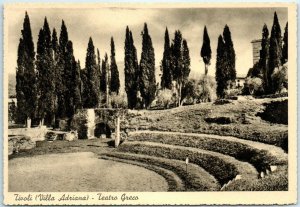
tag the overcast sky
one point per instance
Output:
(102, 23)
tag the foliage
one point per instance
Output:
(25, 75)
(147, 82)
(131, 70)
(254, 86)
(207, 89)
(166, 78)
(285, 49)
(118, 100)
(280, 79)
(45, 75)
(196, 180)
(221, 78)
(205, 50)
(115, 81)
(229, 54)
(275, 52)
(221, 169)
(165, 98)
(92, 77)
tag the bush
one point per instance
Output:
(164, 98)
(254, 86)
(219, 120)
(207, 89)
(280, 79)
(118, 100)
(275, 112)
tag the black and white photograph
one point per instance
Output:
(150, 104)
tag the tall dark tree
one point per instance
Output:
(221, 76)
(275, 51)
(99, 70)
(115, 80)
(92, 76)
(285, 45)
(180, 62)
(131, 70)
(166, 78)
(25, 75)
(264, 55)
(45, 75)
(147, 69)
(205, 50)
(103, 76)
(55, 48)
(77, 99)
(229, 54)
(60, 72)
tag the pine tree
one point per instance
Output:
(131, 70)
(25, 75)
(264, 55)
(285, 45)
(147, 69)
(275, 51)
(115, 81)
(229, 54)
(166, 78)
(92, 76)
(205, 50)
(221, 78)
(46, 74)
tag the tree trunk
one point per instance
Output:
(28, 122)
(206, 69)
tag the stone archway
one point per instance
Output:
(88, 122)
(102, 129)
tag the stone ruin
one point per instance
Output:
(100, 122)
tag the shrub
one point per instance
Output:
(280, 79)
(275, 112)
(207, 89)
(254, 85)
(118, 100)
(164, 98)
(219, 120)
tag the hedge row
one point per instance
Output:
(196, 179)
(260, 159)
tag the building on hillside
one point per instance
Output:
(256, 47)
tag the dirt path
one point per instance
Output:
(273, 150)
(81, 171)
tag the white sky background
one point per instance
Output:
(101, 23)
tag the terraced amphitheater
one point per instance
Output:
(246, 154)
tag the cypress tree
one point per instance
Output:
(220, 66)
(205, 50)
(103, 76)
(25, 74)
(115, 81)
(107, 80)
(60, 72)
(275, 51)
(166, 78)
(229, 54)
(77, 99)
(264, 55)
(180, 63)
(131, 70)
(147, 69)
(46, 74)
(92, 76)
(55, 48)
(285, 45)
